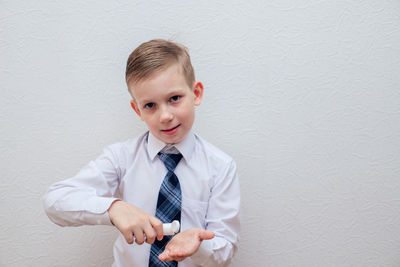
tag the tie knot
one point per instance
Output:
(170, 160)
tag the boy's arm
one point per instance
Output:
(88, 198)
(85, 198)
(222, 219)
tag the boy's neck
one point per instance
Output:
(185, 146)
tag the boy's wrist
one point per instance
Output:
(108, 210)
(112, 203)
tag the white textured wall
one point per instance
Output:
(305, 95)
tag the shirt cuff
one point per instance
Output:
(203, 253)
(99, 208)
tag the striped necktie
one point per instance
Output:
(168, 206)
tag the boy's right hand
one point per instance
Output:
(132, 221)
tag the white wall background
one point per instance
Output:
(303, 94)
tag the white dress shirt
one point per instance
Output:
(132, 171)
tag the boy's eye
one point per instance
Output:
(175, 98)
(149, 105)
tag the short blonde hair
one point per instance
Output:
(156, 55)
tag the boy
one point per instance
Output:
(166, 174)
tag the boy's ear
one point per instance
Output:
(135, 108)
(198, 92)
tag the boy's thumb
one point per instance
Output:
(206, 234)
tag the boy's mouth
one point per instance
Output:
(171, 130)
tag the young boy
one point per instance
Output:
(168, 173)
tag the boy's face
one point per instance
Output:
(166, 103)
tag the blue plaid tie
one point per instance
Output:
(168, 207)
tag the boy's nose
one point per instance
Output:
(166, 115)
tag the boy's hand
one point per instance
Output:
(132, 221)
(185, 244)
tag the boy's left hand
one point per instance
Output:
(185, 244)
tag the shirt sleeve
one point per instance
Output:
(85, 198)
(223, 219)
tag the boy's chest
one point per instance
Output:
(140, 186)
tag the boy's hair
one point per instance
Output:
(156, 55)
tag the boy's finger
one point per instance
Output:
(150, 234)
(139, 237)
(206, 235)
(128, 235)
(158, 227)
(164, 256)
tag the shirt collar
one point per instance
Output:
(185, 147)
